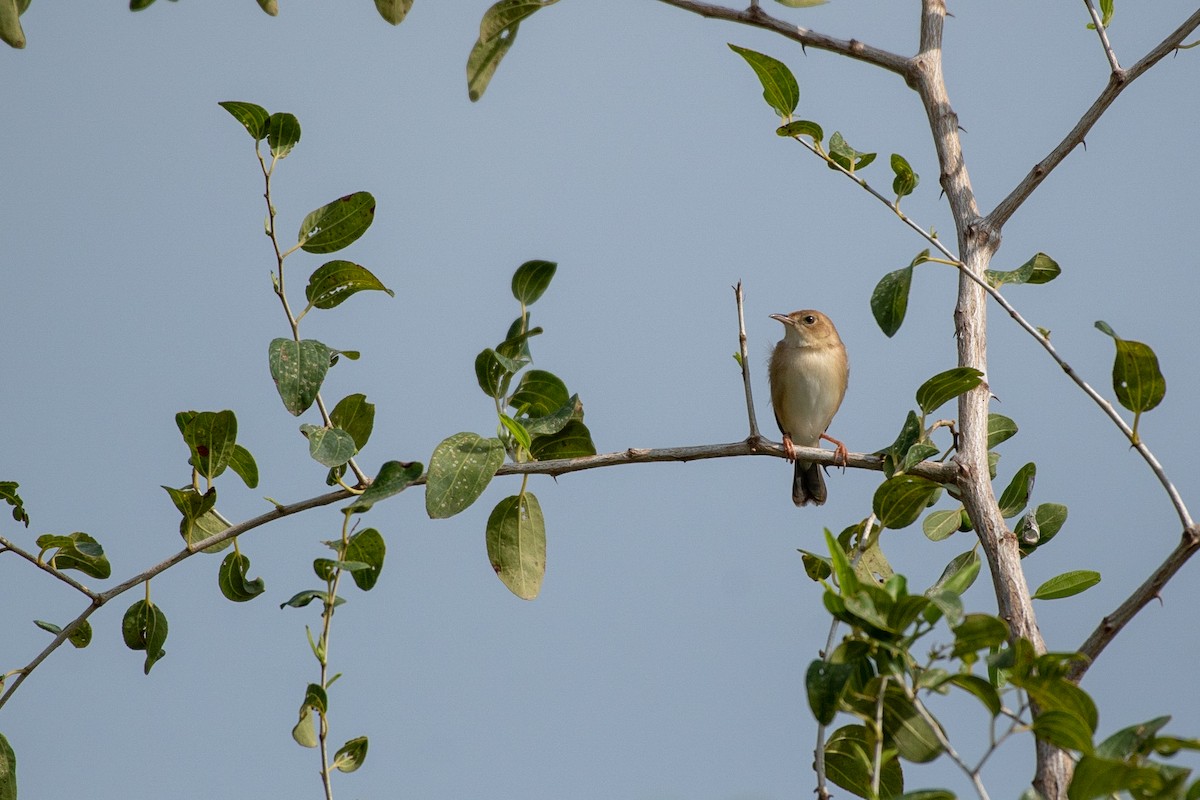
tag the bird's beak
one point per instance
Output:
(784, 318)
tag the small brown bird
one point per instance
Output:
(808, 374)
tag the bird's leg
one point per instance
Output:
(840, 454)
(788, 448)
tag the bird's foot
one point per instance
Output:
(841, 457)
(789, 449)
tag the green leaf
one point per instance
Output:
(910, 434)
(1136, 740)
(913, 736)
(556, 421)
(849, 759)
(393, 11)
(211, 436)
(1000, 428)
(941, 525)
(945, 386)
(497, 32)
(924, 794)
(351, 755)
(484, 58)
(200, 520)
(1056, 693)
(331, 447)
(1100, 777)
(981, 689)
(8, 758)
(144, 627)
(394, 477)
(315, 700)
(825, 683)
(366, 547)
(231, 578)
(900, 500)
(1016, 495)
(516, 544)
(79, 551)
(283, 133)
(846, 156)
(493, 372)
(1067, 584)
(338, 224)
(958, 575)
(8, 493)
(1106, 15)
(539, 393)
(253, 117)
(816, 567)
(802, 127)
(298, 369)
(13, 35)
(244, 465)
(978, 632)
(906, 180)
(1137, 380)
(889, 301)
(780, 89)
(573, 440)
(460, 469)
(531, 280)
(916, 454)
(1064, 730)
(305, 731)
(1039, 269)
(847, 580)
(515, 432)
(1048, 519)
(301, 599)
(79, 638)
(336, 280)
(355, 416)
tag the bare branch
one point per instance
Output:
(1117, 82)
(757, 18)
(1112, 624)
(6, 545)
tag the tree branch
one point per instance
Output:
(744, 360)
(757, 18)
(943, 473)
(1117, 82)
(7, 546)
(1098, 24)
(1112, 624)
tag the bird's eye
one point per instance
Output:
(809, 319)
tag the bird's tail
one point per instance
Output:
(808, 485)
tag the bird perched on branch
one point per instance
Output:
(808, 374)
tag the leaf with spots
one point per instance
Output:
(516, 544)
(459, 470)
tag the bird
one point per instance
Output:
(808, 373)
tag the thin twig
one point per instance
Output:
(745, 361)
(1102, 32)
(944, 741)
(6, 545)
(1117, 83)
(757, 18)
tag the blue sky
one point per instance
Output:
(623, 140)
